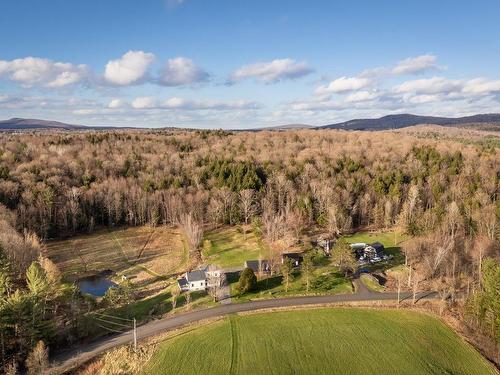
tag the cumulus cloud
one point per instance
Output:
(272, 71)
(116, 104)
(129, 69)
(181, 71)
(343, 85)
(148, 102)
(144, 102)
(30, 71)
(416, 65)
(361, 96)
(481, 86)
(434, 85)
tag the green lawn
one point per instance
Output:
(320, 341)
(324, 280)
(230, 247)
(371, 283)
(385, 238)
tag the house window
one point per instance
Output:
(192, 284)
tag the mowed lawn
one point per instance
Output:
(320, 341)
(229, 247)
(388, 239)
(139, 252)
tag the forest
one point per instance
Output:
(441, 193)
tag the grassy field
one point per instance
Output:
(137, 252)
(325, 279)
(229, 247)
(371, 283)
(388, 239)
(320, 341)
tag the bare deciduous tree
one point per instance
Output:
(247, 204)
(193, 231)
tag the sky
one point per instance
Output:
(243, 64)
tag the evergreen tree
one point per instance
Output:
(247, 281)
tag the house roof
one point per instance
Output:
(255, 264)
(358, 246)
(377, 246)
(292, 255)
(197, 275)
(182, 282)
(210, 268)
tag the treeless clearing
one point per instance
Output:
(138, 252)
(230, 247)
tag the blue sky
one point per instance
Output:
(238, 64)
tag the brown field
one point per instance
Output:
(140, 253)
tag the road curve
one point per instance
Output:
(83, 354)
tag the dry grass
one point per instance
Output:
(138, 252)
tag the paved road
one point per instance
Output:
(81, 355)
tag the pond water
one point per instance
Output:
(96, 285)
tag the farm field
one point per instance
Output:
(229, 247)
(320, 341)
(140, 253)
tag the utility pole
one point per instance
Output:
(135, 336)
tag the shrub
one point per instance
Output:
(248, 281)
(38, 360)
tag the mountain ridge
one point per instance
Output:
(405, 120)
(388, 122)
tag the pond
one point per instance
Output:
(96, 285)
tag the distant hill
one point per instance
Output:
(24, 123)
(34, 124)
(482, 121)
(405, 120)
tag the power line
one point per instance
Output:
(114, 317)
(109, 329)
(128, 327)
(117, 324)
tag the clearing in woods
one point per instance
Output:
(230, 247)
(140, 253)
(320, 341)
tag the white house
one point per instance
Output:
(200, 279)
(194, 280)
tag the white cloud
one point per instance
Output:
(181, 71)
(429, 86)
(361, 96)
(64, 79)
(144, 102)
(179, 103)
(116, 104)
(481, 86)
(148, 102)
(30, 71)
(416, 65)
(129, 69)
(272, 71)
(84, 112)
(343, 85)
